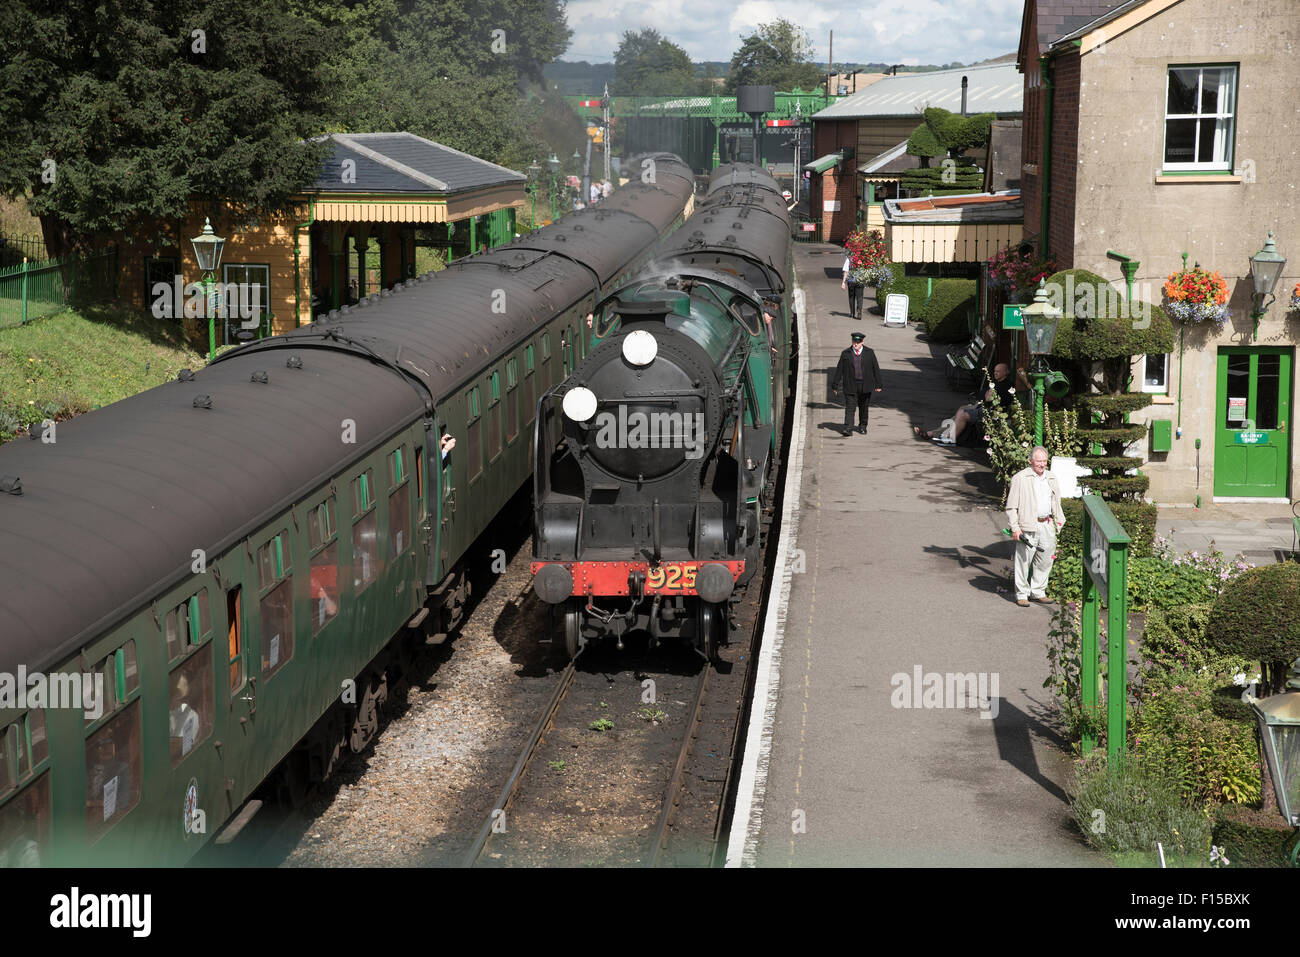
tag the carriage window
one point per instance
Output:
(419, 482)
(322, 541)
(23, 747)
(473, 438)
(25, 826)
(189, 717)
(512, 398)
(187, 624)
(117, 677)
(275, 604)
(494, 418)
(365, 531)
(113, 771)
(233, 611)
(399, 505)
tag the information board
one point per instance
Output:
(896, 309)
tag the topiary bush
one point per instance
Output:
(1099, 326)
(1257, 616)
(945, 315)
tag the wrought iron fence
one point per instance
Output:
(32, 290)
(14, 248)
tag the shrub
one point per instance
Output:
(945, 314)
(1129, 807)
(1258, 617)
(1177, 731)
(1137, 518)
(1248, 844)
(1153, 582)
(1174, 638)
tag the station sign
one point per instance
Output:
(1251, 438)
(1012, 317)
(781, 123)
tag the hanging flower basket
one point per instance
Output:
(1018, 275)
(1196, 295)
(868, 259)
(1295, 298)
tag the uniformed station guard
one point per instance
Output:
(856, 376)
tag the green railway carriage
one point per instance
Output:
(231, 555)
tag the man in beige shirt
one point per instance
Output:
(1035, 515)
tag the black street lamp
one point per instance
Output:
(1279, 729)
(207, 250)
(1265, 270)
(1041, 320)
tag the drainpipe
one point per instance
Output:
(297, 277)
(1129, 266)
(1045, 193)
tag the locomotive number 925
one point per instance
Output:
(668, 578)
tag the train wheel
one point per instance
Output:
(706, 637)
(573, 640)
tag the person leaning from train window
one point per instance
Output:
(853, 283)
(1034, 513)
(857, 375)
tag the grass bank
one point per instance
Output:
(57, 367)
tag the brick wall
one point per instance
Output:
(839, 183)
(1065, 157)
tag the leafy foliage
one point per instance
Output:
(1018, 269)
(776, 54)
(915, 288)
(1130, 806)
(946, 312)
(1010, 436)
(1137, 518)
(1258, 617)
(648, 64)
(1158, 580)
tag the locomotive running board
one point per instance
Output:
(239, 823)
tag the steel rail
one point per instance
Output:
(507, 794)
(672, 796)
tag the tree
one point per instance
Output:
(1257, 616)
(1103, 334)
(648, 64)
(120, 114)
(775, 54)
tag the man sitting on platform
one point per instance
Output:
(1002, 389)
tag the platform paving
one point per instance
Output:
(905, 567)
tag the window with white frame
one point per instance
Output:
(1155, 373)
(1199, 120)
(245, 283)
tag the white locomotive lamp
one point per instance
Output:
(640, 347)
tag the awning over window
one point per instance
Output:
(823, 163)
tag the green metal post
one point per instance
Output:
(212, 315)
(1088, 662)
(1039, 387)
(1117, 655)
(473, 235)
(24, 284)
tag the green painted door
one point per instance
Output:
(1252, 447)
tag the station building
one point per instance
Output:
(1158, 128)
(382, 207)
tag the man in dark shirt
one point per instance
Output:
(857, 376)
(1001, 390)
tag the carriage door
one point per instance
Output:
(569, 351)
(238, 680)
(1252, 446)
(447, 522)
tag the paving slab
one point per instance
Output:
(904, 573)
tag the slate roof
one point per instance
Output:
(1057, 18)
(405, 163)
(991, 88)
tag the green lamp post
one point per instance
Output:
(207, 250)
(1265, 270)
(1279, 729)
(553, 164)
(534, 171)
(1041, 320)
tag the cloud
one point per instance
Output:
(892, 31)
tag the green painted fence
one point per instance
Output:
(31, 290)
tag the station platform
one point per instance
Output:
(893, 568)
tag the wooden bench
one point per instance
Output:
(964, 364)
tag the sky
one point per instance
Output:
(909, 32)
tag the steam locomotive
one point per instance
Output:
(654, 459)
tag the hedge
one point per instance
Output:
(914, 287)
(1258, 616)
(946, 313)
(1137, 518)
(1124, 433)
(1119, 404)
(1115, 488)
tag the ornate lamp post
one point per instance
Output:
(1279, 729)
(1040, 328)
(1265, 270)
(207, 250)
(553, 164)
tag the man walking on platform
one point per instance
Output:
(852, 282)
(1034, 511)
(857, 375)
